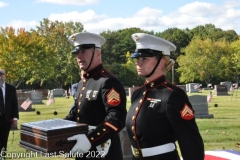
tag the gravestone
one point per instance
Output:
(126, 145)
(44, 93)
(191, 88)
(130, 91)
(187, 87)
(21, 98)
(183, 87)
(200, 106)
(36, 97)
(126, 88)
(59, 92)
(228, 84)
(221, 90)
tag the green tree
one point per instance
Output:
(213, 33)
(180, 38)
(235, 58)
(24, 56)
(118, 45)
(56, 37)
(203, 60)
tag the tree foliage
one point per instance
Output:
(56, 37)
(203, 60)
(43, 55)
(24, 56)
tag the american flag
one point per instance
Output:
(196, 86)
(209, 98)
(26, 104)
(69, 91)
(222, 155)
(50, 101)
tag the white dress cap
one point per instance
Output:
(147, 41)
(86, 38)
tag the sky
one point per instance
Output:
(103, 15)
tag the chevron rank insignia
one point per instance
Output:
(187, 113)
(113, 97)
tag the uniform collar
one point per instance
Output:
(155, 82)
(91, 73)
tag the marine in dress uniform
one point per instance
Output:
(160, 112)
(100, 102)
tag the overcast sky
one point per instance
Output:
(103, 15)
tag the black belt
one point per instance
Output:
(2, 114)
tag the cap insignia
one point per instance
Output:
(152, 84)
(136, 38)
(74, 38)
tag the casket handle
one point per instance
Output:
(62, 142)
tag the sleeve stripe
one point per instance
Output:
(111, 126)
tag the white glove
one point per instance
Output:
(82, 146)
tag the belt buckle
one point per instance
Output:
(137, 153)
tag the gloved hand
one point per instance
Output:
(82, 146)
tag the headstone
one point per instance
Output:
(191, 88)
(126, 90)
(200, 106)
(126, 145)
(36, 97)
(44, 93)
(130, 91)
(183, 87)
(228, 84)
(21, 98)
(57, 92)
(25, 90)
(220, 90)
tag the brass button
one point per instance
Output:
(84, 81)
(144, 93)
(140, 101)
(104, 129)
(98, 133)
(152, 84)
(92, 138)
(132, 127)
(134, 137)
(87, 74)
(102, 71)
(78, 119)
(80, 95)
(78, 110)
(89, 99)
(83, 88)
(79, 103)
(137, 109)
(133, 117)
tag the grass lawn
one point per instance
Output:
(220, 132)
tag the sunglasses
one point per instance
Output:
(2, 73)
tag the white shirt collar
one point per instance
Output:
(3, 85)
